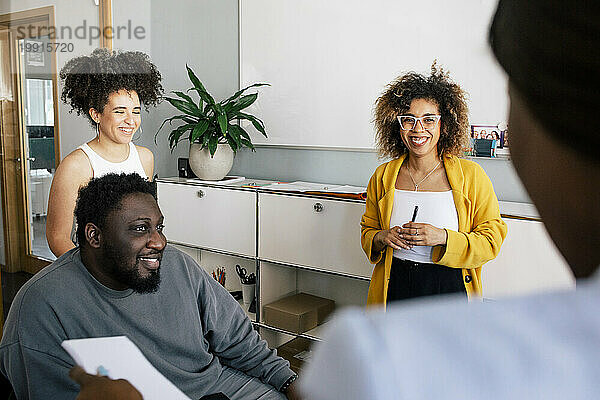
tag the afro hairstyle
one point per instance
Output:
(396, 100)
(89, 80)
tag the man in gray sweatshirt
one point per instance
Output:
(124, 280)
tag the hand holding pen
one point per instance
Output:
(393, 237)
(420, 234)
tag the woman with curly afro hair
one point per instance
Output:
(431, 219)
(109, 89)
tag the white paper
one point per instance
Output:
(228, 180)
(346, 189)
(123, 360)
(299, 186)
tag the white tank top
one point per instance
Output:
(101, 167)
(435, 208)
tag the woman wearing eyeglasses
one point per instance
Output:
(431, 219)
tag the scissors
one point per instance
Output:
(250, 279)
(242, 273)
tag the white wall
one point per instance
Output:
(328, 62)
(202, 34)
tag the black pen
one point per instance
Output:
(415, 214)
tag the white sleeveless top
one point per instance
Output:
(101, 167)
(435, 208)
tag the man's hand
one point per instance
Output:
(95, 387)
(292, 392)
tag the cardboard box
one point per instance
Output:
(298, 313)
(296, 351)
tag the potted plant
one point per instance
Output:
(212, 127)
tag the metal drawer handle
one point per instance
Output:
(200, 193)
(318, 207)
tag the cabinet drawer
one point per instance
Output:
(293, 231)
(213, 218)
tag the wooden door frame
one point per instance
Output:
(106, 22)
(16, 236)
(12, 128)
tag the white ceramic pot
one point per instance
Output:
(211, 168)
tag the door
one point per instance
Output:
(30, 136)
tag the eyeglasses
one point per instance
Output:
(428, 122)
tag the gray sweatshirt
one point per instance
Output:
(188, 329)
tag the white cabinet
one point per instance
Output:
(301, 243)
(528, 262)
(297, 243)
(212, 218)
(312, 232)
(278, 281)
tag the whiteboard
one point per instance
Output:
(328, 61)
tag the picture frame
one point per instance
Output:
(486, 132)
(494, 132)
(482, 136)
(504, 142)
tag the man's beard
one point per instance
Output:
(120, 269)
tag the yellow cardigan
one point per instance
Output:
(480, 234)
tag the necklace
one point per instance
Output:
(426, 176)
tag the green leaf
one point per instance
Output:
(188, 99)
(247, 143)
(239, 130)
(199, 87)
(222, 119)
(198, 130)
(185, 107)
(234, 134)
(205, 139)
(208, 99)
(256, 122)
(243, 102)
(212, 145)
(195, 81)
(184, 96)
(176, 134)
(234, 146)
(169, 120)
(236, 94)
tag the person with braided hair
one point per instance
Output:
(109, 88)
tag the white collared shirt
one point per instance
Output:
(545, 346)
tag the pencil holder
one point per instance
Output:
(248, 291)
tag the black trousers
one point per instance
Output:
(410, 279)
